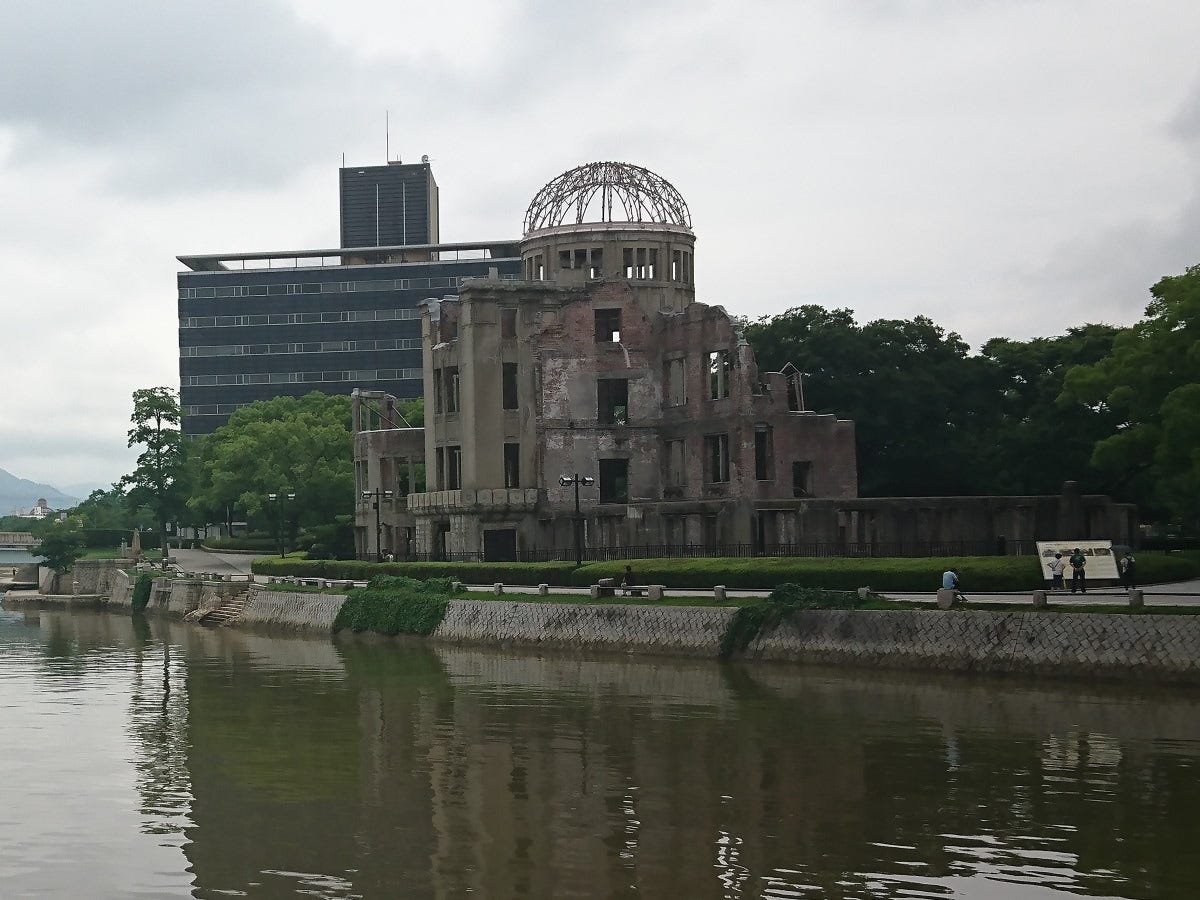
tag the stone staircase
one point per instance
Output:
(227, 612)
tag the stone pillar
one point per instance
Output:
(718, 593)
(1039, 599)
(945, 598)
(1135, 599)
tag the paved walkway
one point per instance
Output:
(216, 563)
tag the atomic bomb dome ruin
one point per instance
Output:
(597, 363)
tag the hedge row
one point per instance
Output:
(978, 573)
(556, 573)
(264, 544)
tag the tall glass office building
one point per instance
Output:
(253, 326)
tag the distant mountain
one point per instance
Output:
(21, 492)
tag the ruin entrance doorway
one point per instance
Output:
(500, 545)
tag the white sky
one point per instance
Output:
(1006, 167)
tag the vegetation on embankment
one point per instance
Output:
(395, 605)
(141, 592)
(979, 573)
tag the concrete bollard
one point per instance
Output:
(654, 592)
(456, 587)
(945, 598)
(719, 592)
(543, 589)
(497, 588)
(1135, 599)
(1039, 599)
(864, 592)
(595, 591)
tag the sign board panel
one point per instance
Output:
(1101, 563)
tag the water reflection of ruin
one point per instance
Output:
(439, 773)
(409, 771)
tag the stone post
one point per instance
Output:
(945, 598)
(1135, 599)
(543, 589)
(654, 592)
(719, 592)
(497, 588)
(1039, 599)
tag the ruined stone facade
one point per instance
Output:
(599, 363)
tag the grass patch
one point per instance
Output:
(101, 553)
(395, 605)
(754, 618)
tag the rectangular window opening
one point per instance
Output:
(802, 478)
(596, 270)
(762, 453)
(673, 453)
(717, 446)
(451, 389)
(512, 465)
(509, 390)
(612, 401)
(614, 480)
(720, 371)
(627, 261)
(453, 468)
(608, 326)
(508, 324)
(676, 381)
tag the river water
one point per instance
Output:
(158, 759)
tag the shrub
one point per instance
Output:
(141, 591)
(395, 605)
(752, 619)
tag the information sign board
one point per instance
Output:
(1101, 564)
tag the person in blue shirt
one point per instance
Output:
(950, 583)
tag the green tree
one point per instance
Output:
(917, 399)
(60, 547)
(155, 482)
(1035, 439)
(280, 446)
(1150, 386)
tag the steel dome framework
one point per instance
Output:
(604, 192)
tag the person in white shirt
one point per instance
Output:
(1056, 566)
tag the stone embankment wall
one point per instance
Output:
(291, 610)
(681, 630)
(1077, 644)
(1034, 642)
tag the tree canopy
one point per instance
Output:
(1148, 389)
(933, 419)
(280, 446)
(155, 482)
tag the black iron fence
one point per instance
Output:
(826, 550)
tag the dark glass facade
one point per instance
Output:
(388, 205)
(254, 334)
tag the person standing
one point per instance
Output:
(1078, 564)
(1056, 567)
(1129, 571)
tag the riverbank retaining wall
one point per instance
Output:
(1092, 645)
(677, 630)
(292, 611)
(1099, 645)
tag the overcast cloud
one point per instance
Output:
(1006, 168)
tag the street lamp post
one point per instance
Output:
(577, 480)
(378, 494)
(276, 500)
